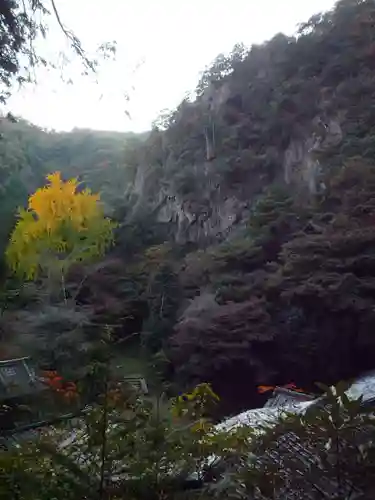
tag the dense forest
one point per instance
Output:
(244, 247)
(153, 286)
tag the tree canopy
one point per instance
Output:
(252, 266)
(60, 222)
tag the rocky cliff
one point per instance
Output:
(281, 113)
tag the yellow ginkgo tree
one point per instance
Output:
(61, 226)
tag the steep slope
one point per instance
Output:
(283, 112)
(246, 239)
(258, 171)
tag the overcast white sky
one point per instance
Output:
(173, 39)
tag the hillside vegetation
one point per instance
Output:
(245, 244)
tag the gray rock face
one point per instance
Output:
(201, 306)
(301, 166)
(211, 210)
(198, 222)
(214, 97)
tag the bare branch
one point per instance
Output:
(74, 41)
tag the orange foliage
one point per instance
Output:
(67, 389)
(266, 388)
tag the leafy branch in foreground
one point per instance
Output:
(325, 452)
(133, 447)
(22, 22)
(126, 446)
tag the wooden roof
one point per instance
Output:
(137, 382)
(310, 480)
(18, 378)
(287, 397)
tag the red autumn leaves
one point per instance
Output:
(265, 388)
(67, 389)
